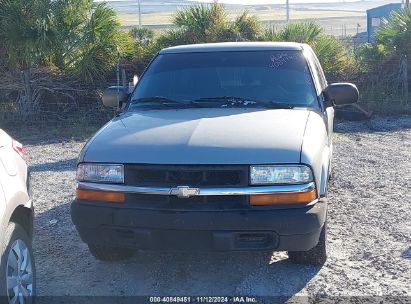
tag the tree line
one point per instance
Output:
(75, 45)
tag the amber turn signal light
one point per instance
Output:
(100, 196)
(294, 198)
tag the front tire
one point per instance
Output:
(314, 256)
(17, 268)
(104, 253)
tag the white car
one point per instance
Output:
(17, 269)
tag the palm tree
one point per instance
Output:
(305, 32)
(88, 43)
(202, 23)
(27, 34)
(395, 34)
(331, 53)
(247, 27)
(69, 17)
(209, 23)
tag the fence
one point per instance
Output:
(384, 88)
(71, 105)
(56, 102)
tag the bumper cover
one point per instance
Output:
(296, 229)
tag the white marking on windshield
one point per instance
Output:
(279, 60)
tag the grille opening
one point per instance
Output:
(186, 175)
(150, 175)
(225, 178)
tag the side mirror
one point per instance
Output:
(114, 97)
(339, 94)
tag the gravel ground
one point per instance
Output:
(369, 232)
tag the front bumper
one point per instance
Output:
(295, 229)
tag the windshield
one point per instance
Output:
(248, 78)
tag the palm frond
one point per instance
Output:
(331, 54)
(247, 27)
(396, 32)
(25, 30)
(202, 22)
(91, 41)
(304, 32)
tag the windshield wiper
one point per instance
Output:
(224, 101)
(242, 101)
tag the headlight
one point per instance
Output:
(271, 175)
(100, 173)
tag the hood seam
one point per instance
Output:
(302, 140)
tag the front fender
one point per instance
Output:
(316, 152)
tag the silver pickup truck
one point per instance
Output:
(219, 147)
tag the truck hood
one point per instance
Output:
(200, 136)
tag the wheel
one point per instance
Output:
(17, 268)
(104, 253)
(314, 256)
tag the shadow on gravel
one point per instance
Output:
(66, 268)
(58, 166)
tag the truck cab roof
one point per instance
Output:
(233, 47)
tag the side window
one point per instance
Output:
(321, 76)
(320, 80)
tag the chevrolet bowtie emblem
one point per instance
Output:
(184, 191)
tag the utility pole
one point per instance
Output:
(287, 8)
(139, 14)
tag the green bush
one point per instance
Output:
(395, 34)
(89, 40)
(196, 24)
(83, 39)
(247, 27)
(305, 32)
(202, 23)
(143, 35)
(332, 54)
(377, 65)
(26, 31)
(369, 56)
